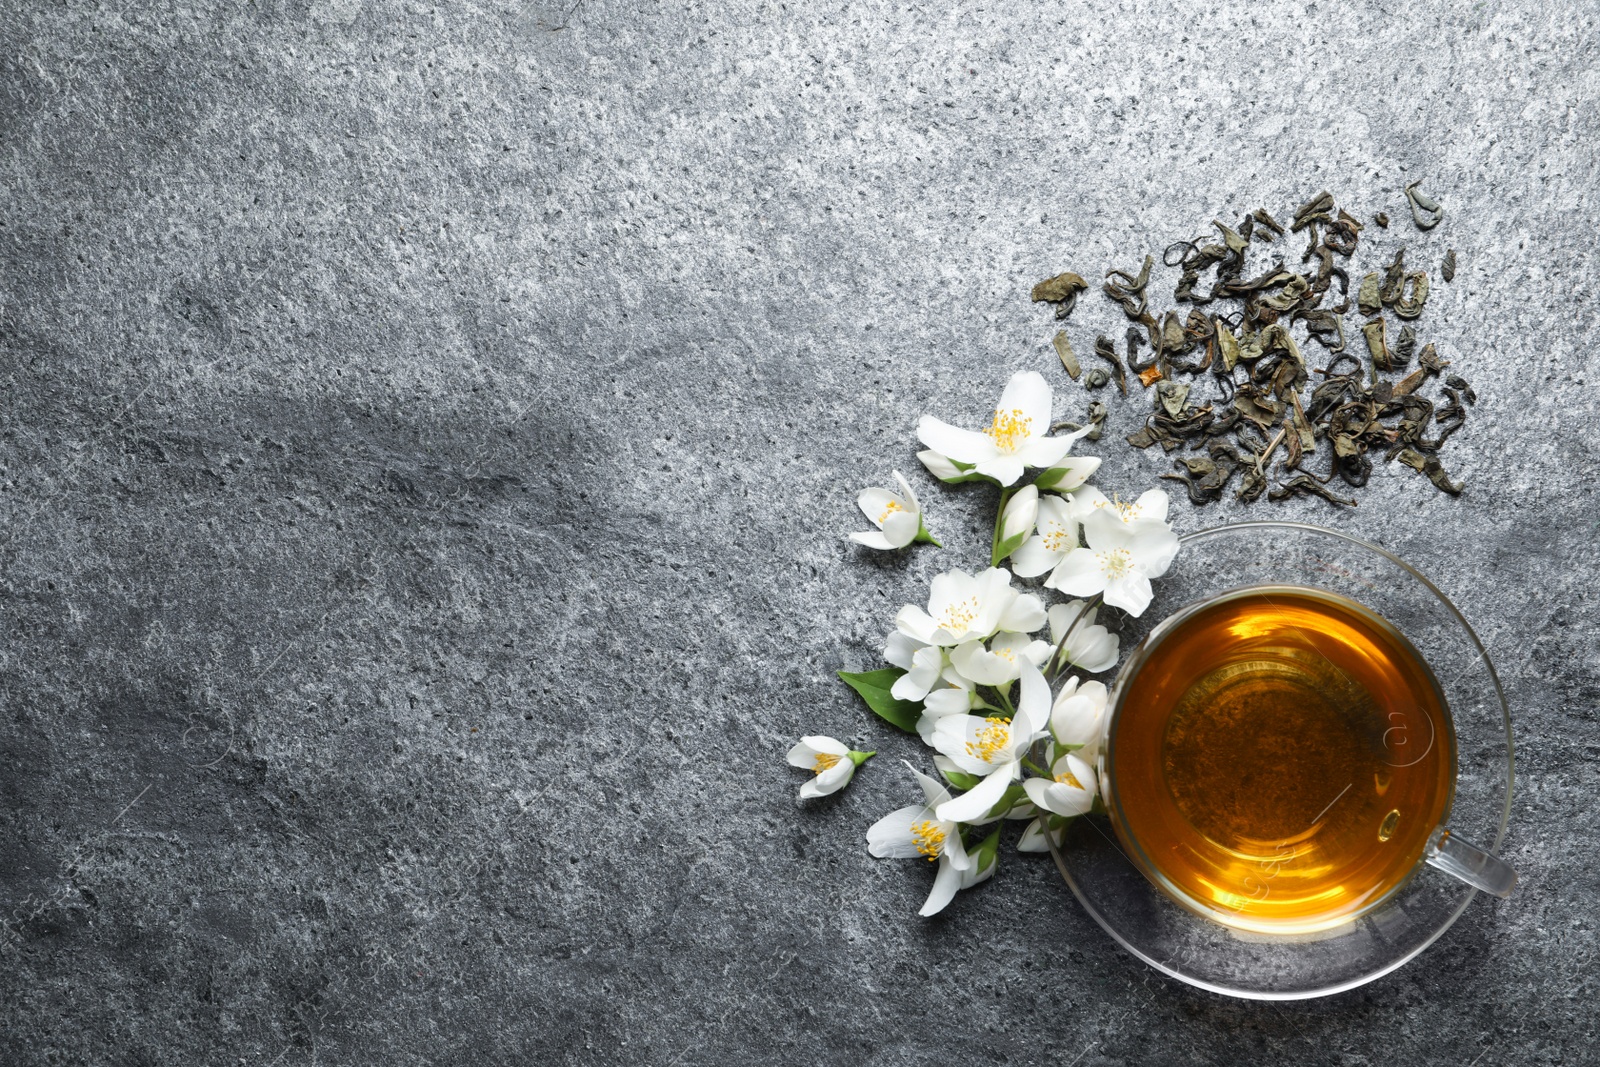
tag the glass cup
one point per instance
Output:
(1229, 949)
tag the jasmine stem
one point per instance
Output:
(1035, 768)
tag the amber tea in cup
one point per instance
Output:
(1278, 759)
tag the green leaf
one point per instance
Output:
(1005, 548)
(874, 686)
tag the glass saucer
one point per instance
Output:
(1204, 953)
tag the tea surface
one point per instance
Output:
(1281, 759)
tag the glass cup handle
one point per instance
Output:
(1471, 864)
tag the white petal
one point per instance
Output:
(1024, 615)
(899, 648)
(1154, 545)
(1104, 531)
(967, 446)
(939, 466)
(1063, 616)
(875, 502)
(933, 790)
(925, 666)
(955, 736)
(1152, 505)
(1033, 703)
(900, 529)
(994, 595)
(905, 491)
(1084, 773)
(831, 780)
(1020, 512)
(1045, 451)
(942, 702)
(1097, 650)
(802, 755)
(915, 623)
(1032, 558)
(976, 802)
(1003, 469)
(1028, 393)
(874, 539)
(1131, 593)
(945, 885)
(890, 837)
(1032, 839)
(1079, 470)
(1078, 574)
(824, 743)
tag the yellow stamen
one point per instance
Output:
(1057, 539)
(1010, 430)
(990, 739)
(957, 617)
(825, 760)
(929, 839)
(894, 506)
(1069, 778)
(1125, 512)
(1116, 563)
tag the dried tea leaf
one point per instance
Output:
(1367, 299)
(1150, 375)
(1069, 358)
(1104, 349)
(1430, 466)
(1425, 210)
(1404, 346)
(1096, 379)
(1394, 278)
(1447, 269)
(1293, 290)
(1305, 485)
(1142, 438)
(1228, 345)
(1377, 345)
(1261, 216)
(1063, 289)
(1457, 382)
(1318, 209)
(1429, 360)
(1382, 219)
(1172, 396)
(1410, 307)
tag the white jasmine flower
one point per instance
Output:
(897, 516)
(918, 831)
(1122, 557)
(1015, 439)
(963, 607)
(1072, 791)
(831, 762)
(1057, 534)
(1032, 839)
(1000, 663)
(1078, 719)
(923, 664)
(1151, 504)
(1089, 647)
(992, 747)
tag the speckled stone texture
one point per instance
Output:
(429, 439)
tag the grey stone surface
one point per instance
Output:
(429, 438)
